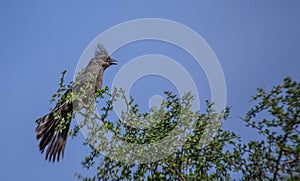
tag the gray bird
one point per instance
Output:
(47, 134)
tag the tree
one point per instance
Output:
(275, 116)
(191, 161)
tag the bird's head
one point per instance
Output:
(102, 58)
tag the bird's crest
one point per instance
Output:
(101, 50)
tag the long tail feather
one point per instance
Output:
(49, 136)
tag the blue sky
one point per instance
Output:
(257, 44)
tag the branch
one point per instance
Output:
(279, 157)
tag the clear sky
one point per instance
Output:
(257, 44)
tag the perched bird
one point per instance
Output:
(47, 134)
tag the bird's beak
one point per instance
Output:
(113, 62)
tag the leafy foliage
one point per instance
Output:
(275, 116)
(278, 155)
(190, 161)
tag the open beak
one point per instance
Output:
(113, 62)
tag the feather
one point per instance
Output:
(52, 139)
(49, 136)
(101, 50)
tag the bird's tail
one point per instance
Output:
(48, 134)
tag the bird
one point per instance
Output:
(47, 134)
